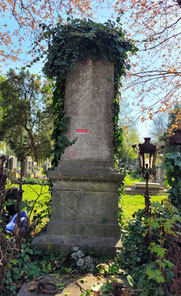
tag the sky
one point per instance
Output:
(102, 15)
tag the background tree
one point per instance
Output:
(159, 126)
(20, 21)
(154, 79)
(130, 134)
(128, 155)
(154, 25)
(174, 123)
(164, 125)
(26, 118)
(174, 120)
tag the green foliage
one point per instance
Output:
(173, 124)
(128, 155)
(60, 123)
(35, 181)
(75, 41)
(146, 261)
(82, 38)
(37, 202)
(129, 179)
(26, 115)
(30, 262)
(173, 170)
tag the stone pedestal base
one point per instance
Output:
(99, 246)
(84, 210)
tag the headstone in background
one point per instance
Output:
(28, 167)
(12, 163)
(46, 166)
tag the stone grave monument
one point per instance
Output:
(28, 166)
(12, 163)
(85, 183)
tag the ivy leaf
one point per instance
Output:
(158, 250)
(121, 49)
(130, 281)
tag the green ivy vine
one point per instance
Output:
(75, 41)
(60, 122)
(172, 164)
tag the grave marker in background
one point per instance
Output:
(28, 167)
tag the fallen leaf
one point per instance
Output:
(96, 287)
(31, 288)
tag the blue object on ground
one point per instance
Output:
(11, 225)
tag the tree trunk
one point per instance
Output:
(33, 146)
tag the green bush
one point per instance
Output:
(143, 255)
(30, 262)
(35, 181)
(173, 171)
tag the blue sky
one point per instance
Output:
(102, 15)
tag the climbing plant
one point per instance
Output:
(173, 170)
(78, 40)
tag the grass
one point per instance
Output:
(31, 191)
(132, 203)
(35, 198)
(129, 180)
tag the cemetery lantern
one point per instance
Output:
(147, 158)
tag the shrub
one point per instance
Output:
(144, 250)
(173, 170)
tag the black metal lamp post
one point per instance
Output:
(147, 158)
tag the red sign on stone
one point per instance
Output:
(81, 131)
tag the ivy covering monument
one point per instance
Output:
(75, 41)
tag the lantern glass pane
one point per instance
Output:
(147, 164)
(141, 160)
(151, 161)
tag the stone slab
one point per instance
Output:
(86, 171)
(150, 185)
(84, 229)
(73, 287)
(99, 245)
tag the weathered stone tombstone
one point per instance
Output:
(85, 183)
(27, 166)
(12, 167)
(12, 163)
(47, 165)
